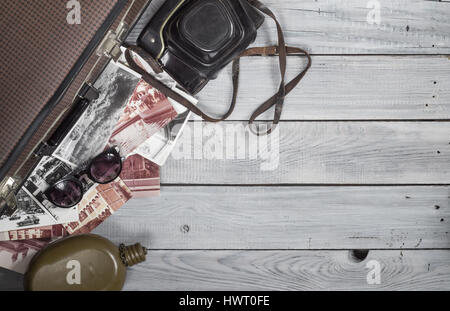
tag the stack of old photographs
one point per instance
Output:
(159, 146)
(129, 114)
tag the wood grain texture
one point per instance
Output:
(286, 218)
(341, 26)
(313, 153)
(340, 88)
(281, 270)
(289, 270)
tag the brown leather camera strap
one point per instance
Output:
(171, 93)
(277, 100)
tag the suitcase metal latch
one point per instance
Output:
(110, 46)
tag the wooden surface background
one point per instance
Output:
(362, 162)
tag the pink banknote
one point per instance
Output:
(147, 111)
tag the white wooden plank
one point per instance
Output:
(286, 218)
(313, 153)
(282, 270)
(342, 27)
(340, 88)
(289, 270)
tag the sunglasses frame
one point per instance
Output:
(88, 170)
(76, 177)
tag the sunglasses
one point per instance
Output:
(102, 169)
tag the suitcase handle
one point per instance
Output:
(86, 95)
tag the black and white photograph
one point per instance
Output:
(159, 147)
(27, 214)
(91, 133)
(33, 208)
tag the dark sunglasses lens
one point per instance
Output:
(106, 167)
(66, 193)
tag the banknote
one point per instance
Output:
(141, 176)
(147, 111)
(16, 255)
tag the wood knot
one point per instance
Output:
(358, 255)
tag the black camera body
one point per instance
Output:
(195, 39)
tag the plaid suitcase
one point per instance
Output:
(48, 56)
